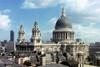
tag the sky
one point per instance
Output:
(83, 14)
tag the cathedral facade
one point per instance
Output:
(63, 40)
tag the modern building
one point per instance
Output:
(95, 49)
(63, 41)
(12, 35)
(10, 47)
(78, 40)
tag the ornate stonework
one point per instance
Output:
(63, 40)
(36, 36)
(21, 36)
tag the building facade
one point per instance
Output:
(36, 36)
(63, 41)
(95, 49)
(11, 35)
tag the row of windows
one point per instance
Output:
(25, 49)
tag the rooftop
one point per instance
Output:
(54, 65)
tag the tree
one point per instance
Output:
(27, 63)
(91, 59)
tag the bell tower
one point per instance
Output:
(36, 36)
(21, 37)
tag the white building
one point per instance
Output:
(63, 40)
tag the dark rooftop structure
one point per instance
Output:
(70, 63)
(54, 65)
(95, 49)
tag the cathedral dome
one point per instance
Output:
(63, 22)
(63, 29)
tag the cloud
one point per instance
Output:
(47, 34)
(85, 7)
(89, 33)
(84, 11)
(77, 10)
(52, 21)
(76, 4)
(29, 4)
(5, 11)
(5, 21)
(84, 15)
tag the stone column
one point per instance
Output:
(53, 35)
(68, 36)
(60, 35)
(57, 35)
(65, 35)
(43, 61)
(73, 36)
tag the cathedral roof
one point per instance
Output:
(63, 22)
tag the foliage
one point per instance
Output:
(27, 63)
(91, 58)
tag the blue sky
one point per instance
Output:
(83, 14)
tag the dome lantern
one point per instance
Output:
(63, 12)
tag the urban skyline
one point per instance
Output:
(84, 21)
(49, 33)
